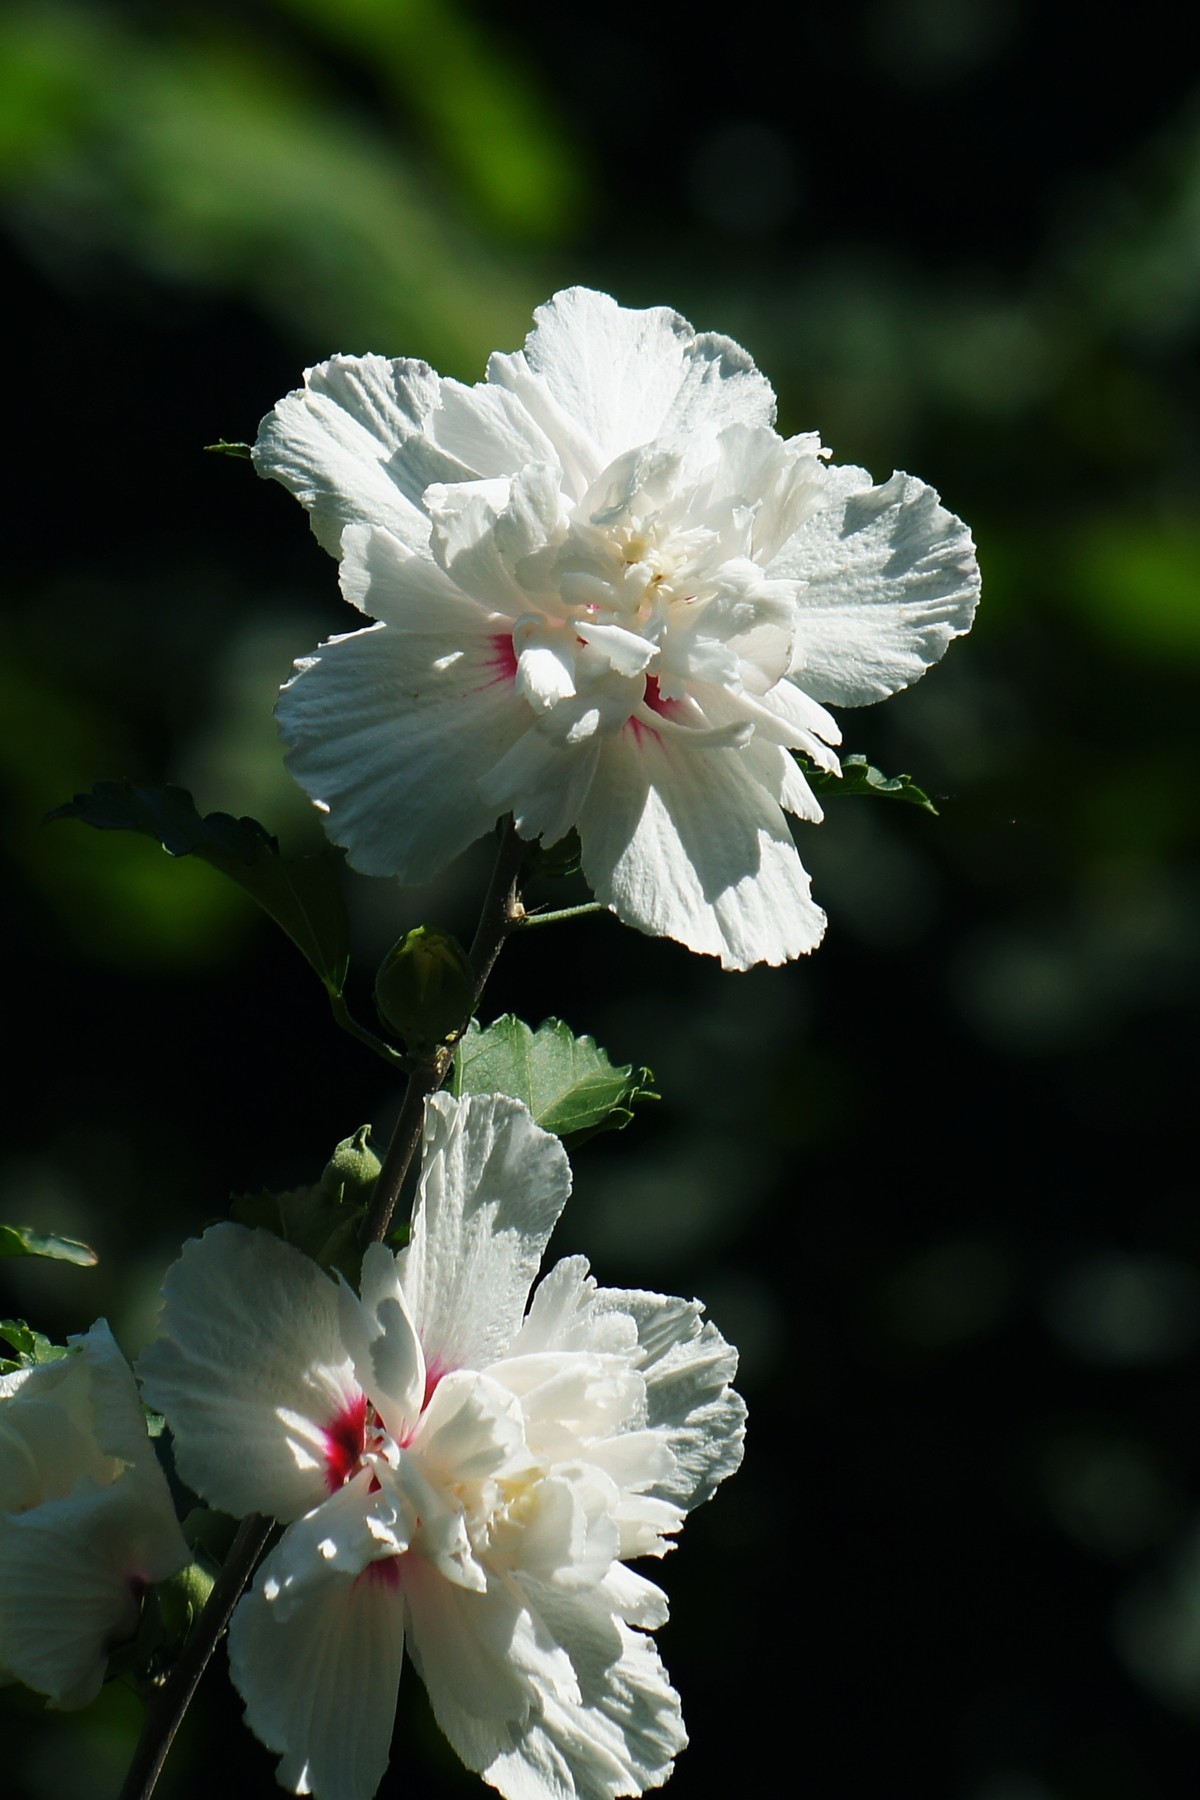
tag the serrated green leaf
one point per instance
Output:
(303, 896)
(860, 777)
(31, 1347)
(567, 1082)
(320, 1224)
(22, 1240)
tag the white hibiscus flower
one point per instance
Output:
(86, 1520)
(608, 596)
(458, 1475)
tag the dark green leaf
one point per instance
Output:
(553, 861)
(315, 1221)
(859, 777)
(22, 1240)
(568, 1083)
(30, 1346)
(303, 896)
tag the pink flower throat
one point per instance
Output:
(355, 1431)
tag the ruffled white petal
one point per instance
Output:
(320, 1685)
(635, 1599)
(683, 843)
(886, 578)
(390, 729)
(486, 534)
(563, 1316)
(562, 1527)
(617, 1733)
(492, 1187)
(353, 444)
(251, 1370)
(687, 1367)
(599, 378)
(471, 1430)
(569, 1398)
(487, 430)
(780, 775)
(780, 483)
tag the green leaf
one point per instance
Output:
(859, 777)
(31, 1346)
(555, 861)
(22, 1240)
(568, 1083)
(224, 447)
(303, 896)
(322, 1226)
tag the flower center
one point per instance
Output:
(352, 1435)
(356, 1432)
(622, 575)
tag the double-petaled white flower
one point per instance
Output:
(86, 1520)
(458, 1475)
(610, 597)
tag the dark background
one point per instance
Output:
(938, 1180)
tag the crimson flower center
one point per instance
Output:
(350, 1435)
(356, 1432)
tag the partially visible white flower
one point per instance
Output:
(86, 1520)
(609, 597)
(457, 1474)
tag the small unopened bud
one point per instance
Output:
(181, 1601)
(351, 1171)
(425, 988)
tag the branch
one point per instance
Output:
(174, 1697)
(500, 915)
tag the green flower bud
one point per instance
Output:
(181, 1601)
(425, 988)
(351, 1171)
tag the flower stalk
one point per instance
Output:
(167, 1711)
(500, 915)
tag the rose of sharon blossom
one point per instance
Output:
(462, 1478)
(86, 1520)
(609, 596)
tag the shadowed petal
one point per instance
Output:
(380, 1335)
(93, 1523)
(320, 1686)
